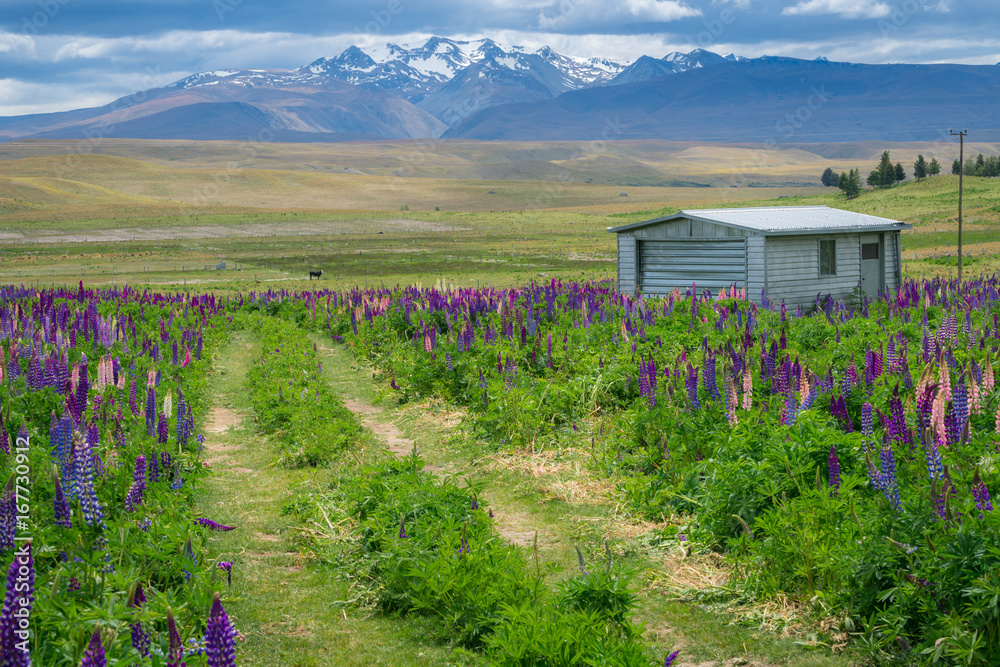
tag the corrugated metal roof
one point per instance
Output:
(782, 220)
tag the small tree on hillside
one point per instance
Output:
(874, 179)
(934, 168)
(900, 173)
(956, 167)
(829, 179)
(886, 171)
(920, 168)
(850, 183)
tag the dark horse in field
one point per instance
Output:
(315, 274)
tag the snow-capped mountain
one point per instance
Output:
(375, 91)
(646, 67)
(414, 71)
(452, 79)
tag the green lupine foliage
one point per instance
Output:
(911, 584)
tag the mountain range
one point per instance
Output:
(485, 90)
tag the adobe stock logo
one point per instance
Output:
(792, 122)
(714, 28)
(381, 18)
(47, 10)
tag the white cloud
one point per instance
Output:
(569, 13)
(851, 9)
(18, 46)
(24, 97)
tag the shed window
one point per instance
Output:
(828, 258)
(869, 251)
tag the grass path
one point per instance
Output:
(286, 608)
(564, 511)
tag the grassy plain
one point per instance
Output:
(167, 213)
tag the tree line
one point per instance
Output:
(984, 166)
(887, 174)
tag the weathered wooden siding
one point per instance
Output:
(687, 228)
(756, 275)
(793, 268)
(626, 263)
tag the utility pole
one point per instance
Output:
(961, 171)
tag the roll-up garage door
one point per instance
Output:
(712, 265)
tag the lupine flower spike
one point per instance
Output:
(220, 638)
(94, 655)
(211, 525)
(227, 567)
(834, 471)
(140, 638)
(175, 654)
(670, 659)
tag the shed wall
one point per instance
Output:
(793, 268)
(891, 261)
(756, 271)
(626, 263)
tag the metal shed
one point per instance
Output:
(789, 253)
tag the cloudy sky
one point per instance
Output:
(65, 54)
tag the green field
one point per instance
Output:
(167, 213)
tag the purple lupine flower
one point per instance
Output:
(162, 429)
(691, 383)
(61, 505)
(211, 525)
(791, 409)
(900, 431)
(510, 374)
(140, 638)
(402, 529)
(867, 432)
(182, 433)
(939, 496)
(178, 481)
(890, 488)
(709, 378)
(834, 463)
(981, 494)
(227, 567)
(133, 403)
(150, 410)
(94, 655)
(935, 467)
(153, 467)
(175, 653)
(135, 493)
(220, 638)
(960, 404)
(93, 514)
(670, 659)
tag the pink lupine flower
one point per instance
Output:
(747, 390)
